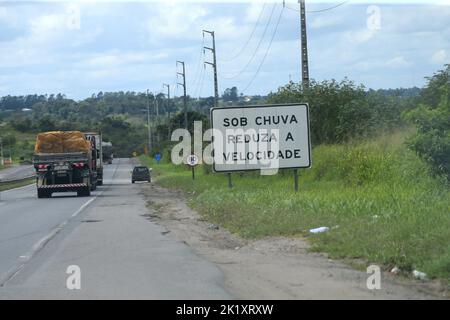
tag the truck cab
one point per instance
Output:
(97, 155)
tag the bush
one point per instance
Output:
(341, 111)
(432, 140)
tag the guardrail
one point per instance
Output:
(3, 182)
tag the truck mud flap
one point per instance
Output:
(72, 187)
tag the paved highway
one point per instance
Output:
(119, 252)
(16, 172)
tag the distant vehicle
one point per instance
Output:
(140, 173)
(65, 161)
(107, 152)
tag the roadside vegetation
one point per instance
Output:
(12, 185)
(377, 197)
(379, 179)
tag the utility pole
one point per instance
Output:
(304, 45)
(2, 162)
(183, 74)
(148, 125)
(156, 102)
(168, 108)
(214, 65)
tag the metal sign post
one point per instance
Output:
(192, 161)
(230, 184)
(295, 180)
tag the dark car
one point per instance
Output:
(140, 173)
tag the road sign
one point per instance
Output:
(158, 157)
(261, 137)
(192, 160)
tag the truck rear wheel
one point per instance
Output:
(43, 194)
(85, 192)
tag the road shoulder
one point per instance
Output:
(269, 268)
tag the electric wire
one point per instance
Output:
(249, 38)
(320, 10)
(266, 53)
(199, 64)
(256, 49)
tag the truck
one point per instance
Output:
(65, 161)
(96, 141)
(107, 152)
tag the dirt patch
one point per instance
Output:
(274, 267)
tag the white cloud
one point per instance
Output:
(440, 57)
(360, 36)
(175, 21)
(115, 59)
(254, 11)
(398, 62)
(325, 21)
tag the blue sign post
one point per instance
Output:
(158, 157)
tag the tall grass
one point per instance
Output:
(377, 196)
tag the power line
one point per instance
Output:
(257, 47)
(266, 53)
(200, 88)
(198, 69)
(199, 83)
(249, 38)
(320, 10)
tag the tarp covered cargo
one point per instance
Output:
(61, 142)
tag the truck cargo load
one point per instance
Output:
(61, 142)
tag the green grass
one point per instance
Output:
(12, 185)
(379, 196)
(24, 146)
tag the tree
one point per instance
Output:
(436, 87)
(338, 110)
(230, 94)
(21, 123)
(46, 123)
(432, 140)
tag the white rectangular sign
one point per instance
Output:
(261, 137)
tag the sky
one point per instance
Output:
(83, 47)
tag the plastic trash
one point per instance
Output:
(419, 275)
(319, 230)
(213, 226)
(395, 270)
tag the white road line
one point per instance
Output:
(42, 242)
(85, 205)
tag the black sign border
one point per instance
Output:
(260, 107)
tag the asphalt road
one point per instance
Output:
(16, 172)
(119, 252)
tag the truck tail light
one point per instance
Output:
(78, 164)
(42, 167)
